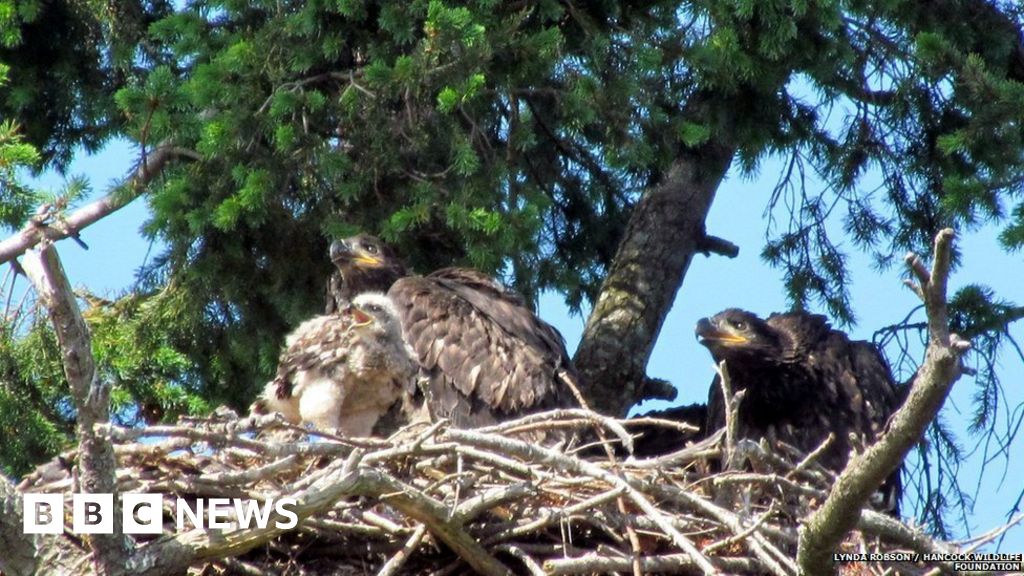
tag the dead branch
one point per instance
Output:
(865, 472)
(518, 447)
(39, 229)
(731, 403)
(392, 566)
(90, 395)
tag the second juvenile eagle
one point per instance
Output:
(803, 380)
(343, 371)
(484, 354)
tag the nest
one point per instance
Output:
(438, 500)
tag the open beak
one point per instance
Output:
(361, 318)
(707, 333)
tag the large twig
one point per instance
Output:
(35, 231)
(90, 395)
(435, 516)
(175, 555)
(731, 403)
(825, 528)
(538, 453)
(395, 563)
(764, 550)
(664, 564)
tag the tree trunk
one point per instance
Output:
(664, 231)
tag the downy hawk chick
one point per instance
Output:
(343, 371)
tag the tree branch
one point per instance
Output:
(340, 480)
(175, 555)
(666, 226)
(708, 245)
(91, 397)
(17, 549)
(825, 528)
(37, 229)
(662, 564)
(547, 455)
(484, 495)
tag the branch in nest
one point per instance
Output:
(488, 499)
(732, 408)
(663, 564)
(532, 452)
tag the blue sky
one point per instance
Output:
(117, 250)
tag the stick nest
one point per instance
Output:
(438, 500)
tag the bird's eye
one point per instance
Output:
(371, 248)
(739, 325)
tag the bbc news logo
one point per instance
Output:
(143, 513)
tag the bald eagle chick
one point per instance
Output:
(803, 381)
(342, 372)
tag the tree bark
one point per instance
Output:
(91, 396)
(664, 231)
(17, 549)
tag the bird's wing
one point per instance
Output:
(877, 384)
(489, 348)
(802, 333)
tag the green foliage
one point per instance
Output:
(35, 414)
(436, 125)
(66, 59)
(16, 200)
(136, 343)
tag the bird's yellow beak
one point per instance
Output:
(361, 318)
(365, 260)
(727, 338)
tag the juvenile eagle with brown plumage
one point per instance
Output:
(343, 371)
(803, 380)
(485, 355)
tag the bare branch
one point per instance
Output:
(174, 555)
(395, 563)
(664, 564)
(37, 229)
(708, 245)
(544, 454)
(732, 407)
(90, 395)
(825, 528)
(484, 496)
